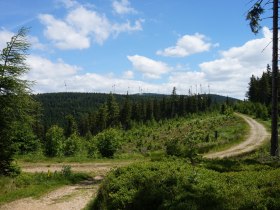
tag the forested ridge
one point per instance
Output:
(85, 106)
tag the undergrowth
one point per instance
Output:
(174, 184)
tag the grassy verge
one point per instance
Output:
(230, 132)
(37, 184)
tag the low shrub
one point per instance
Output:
(177, 185)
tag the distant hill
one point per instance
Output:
(57, 105)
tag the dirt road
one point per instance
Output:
(74, 197)
(258, 134)
(69, 197)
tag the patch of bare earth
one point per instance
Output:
(257, 136)
(74, 197)
(69, 197)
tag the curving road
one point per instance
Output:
(258, 134)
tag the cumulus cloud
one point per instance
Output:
(59, 76)
(231, 72)
(187, 45)
(149, 68)
(5, 36)
(63, 35)
(82, 26)
(49, 76)
(123, 7)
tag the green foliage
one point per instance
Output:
(260, 88)
(176, 185)
(113, 111)
(16, 104)
(108, 142)
(73, 145)
(71, 126)
(66, 171)
(54, 141)
(254, 16)
(94, 112)
(35, 185)
(252, 108)
(24, 140)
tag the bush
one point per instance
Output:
(54, 141)
(72, 145)
(108, 142)
(176, 185)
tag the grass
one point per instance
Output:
(232, 134)
(37, 184)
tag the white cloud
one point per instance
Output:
(150, 68)
(187, 45)
(63, 35)
(90, 23)
(49, 76)
(128, 75)
(127, 27)
(231, 72)
(123, 7)
(53, 76)
(83, 26)
(35, 43)
(5, 36)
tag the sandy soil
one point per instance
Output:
(258, 134)
(96, 168)
(69, 197)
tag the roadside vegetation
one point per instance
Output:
(37, 184)
(174, 184)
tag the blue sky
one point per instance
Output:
(138, 45)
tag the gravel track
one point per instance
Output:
(257, 136)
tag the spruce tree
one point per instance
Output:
(113, 111)
(16, 104)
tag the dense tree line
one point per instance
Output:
(121, 111)
(89, 110)
(259, 89)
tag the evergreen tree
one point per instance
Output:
(113, 111)
(150, 110)
(102, 118)
(71, 126)
(16, 105)
(126, 113)
(174, 100)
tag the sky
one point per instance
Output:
(139, 46)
